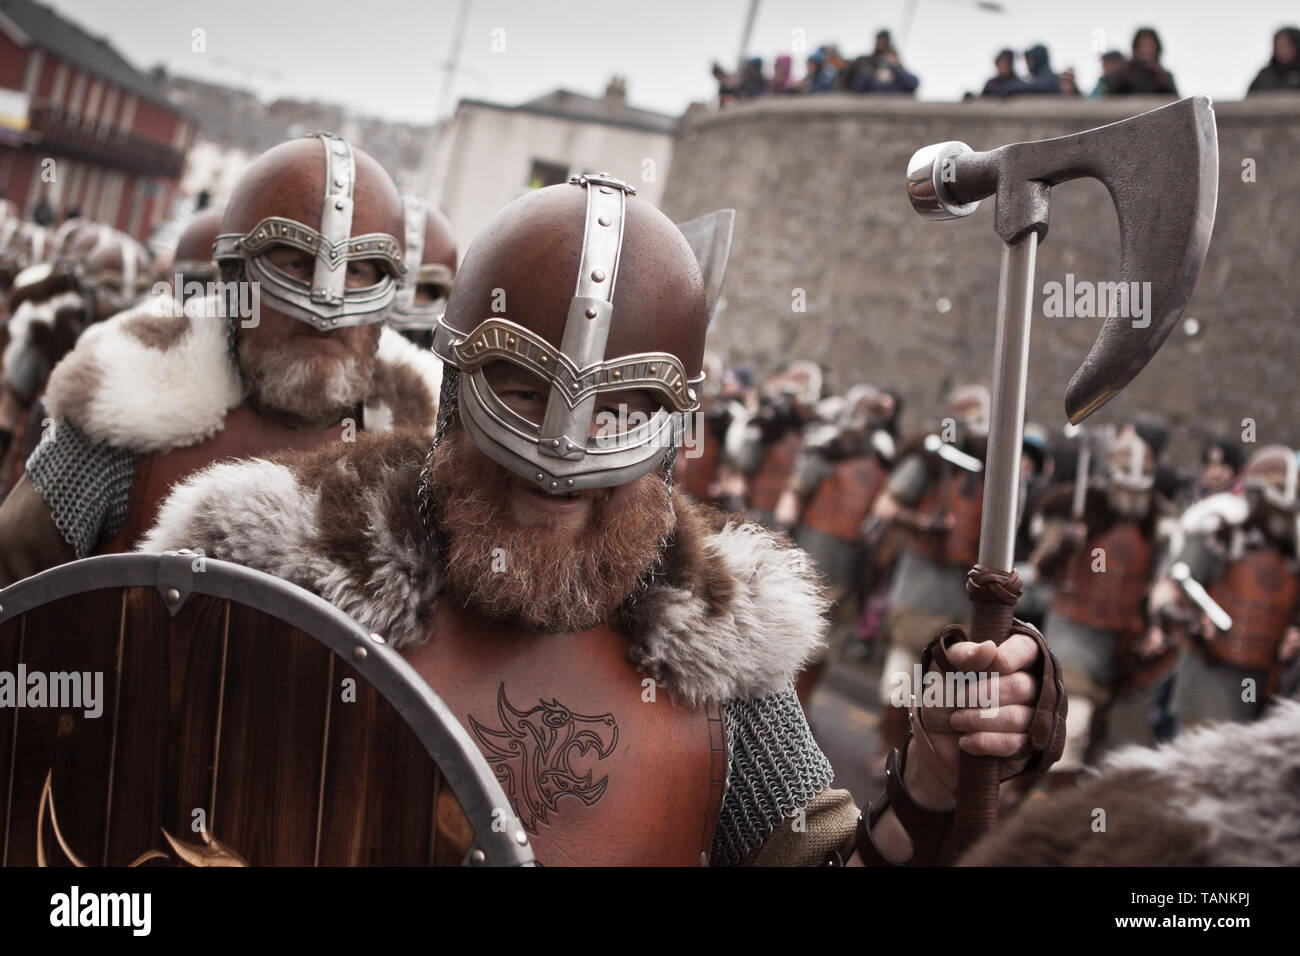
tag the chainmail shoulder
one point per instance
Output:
(774, 768)
(87, 486)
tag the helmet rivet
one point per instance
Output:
(568, 447)
(338, 183)
(554, 484)
(510, 340)
(555, 443)
(617, 374)
(261, 235)
(603, 220)
(541, 477)
(690, 393)
(591, 313)
(598, 275)
(606, 190)
(569, 482)
(654, 369)
(339, 204)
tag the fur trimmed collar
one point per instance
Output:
(736, 613)
(154, 378)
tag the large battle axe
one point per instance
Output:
(1162, 171)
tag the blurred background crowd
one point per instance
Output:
(1017, 73)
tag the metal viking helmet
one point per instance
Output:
(1274, 473)
(431, 261)
(321, 196)
(192, 259)
(116, 274)
(590, 291)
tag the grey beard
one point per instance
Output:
(282, 382)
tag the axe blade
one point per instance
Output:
(1162, 171)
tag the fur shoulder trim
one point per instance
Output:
(743, 628)
(1223, 510)
(148, 379)
(736, 611)
(407, 382)
(340, 525)
(38, 333)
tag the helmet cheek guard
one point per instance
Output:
(572, 448)
(325, 303)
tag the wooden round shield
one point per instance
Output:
(170, 708)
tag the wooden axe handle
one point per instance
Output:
(993, 603)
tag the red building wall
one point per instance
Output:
(13, 63)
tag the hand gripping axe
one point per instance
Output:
(1162, 171)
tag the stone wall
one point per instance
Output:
(818, 188)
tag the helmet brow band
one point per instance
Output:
(498, 338)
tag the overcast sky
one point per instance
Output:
(386, 57)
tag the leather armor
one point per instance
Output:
(774, 474)
(1259, 592)
(597, 772)
(1110, 600)
(842, 502)
(244, 435)
(965, 502)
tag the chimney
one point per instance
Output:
(616, 89)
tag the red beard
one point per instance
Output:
(543, 577)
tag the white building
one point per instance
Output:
(487, 154)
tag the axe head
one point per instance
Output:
(1162, 171)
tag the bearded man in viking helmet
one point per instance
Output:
(935, 498)
(54, 303)
(1103, 562)
(1242, 550)
(431, 257)
(622, 656)
(291, 353)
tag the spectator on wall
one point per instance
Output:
(821, 76)
(1004, 82)
(726, 85)
(1041, 79)
(782, 75)
(1113, 66)
(752, 82)
(1145, 74)
(1283, 70)
(1068, 85)
(882, 72)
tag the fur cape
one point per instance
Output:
(154, 378)
(736, 613)
(40, 334)
(1222, 795)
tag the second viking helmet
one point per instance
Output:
(319, 195)
(589, 291)
(431, 264)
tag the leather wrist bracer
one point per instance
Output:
(925, 828)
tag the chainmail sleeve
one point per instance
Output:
(774, 769)
(86, 486)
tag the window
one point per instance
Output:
(547, 174)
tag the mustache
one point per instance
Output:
(597, 495)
